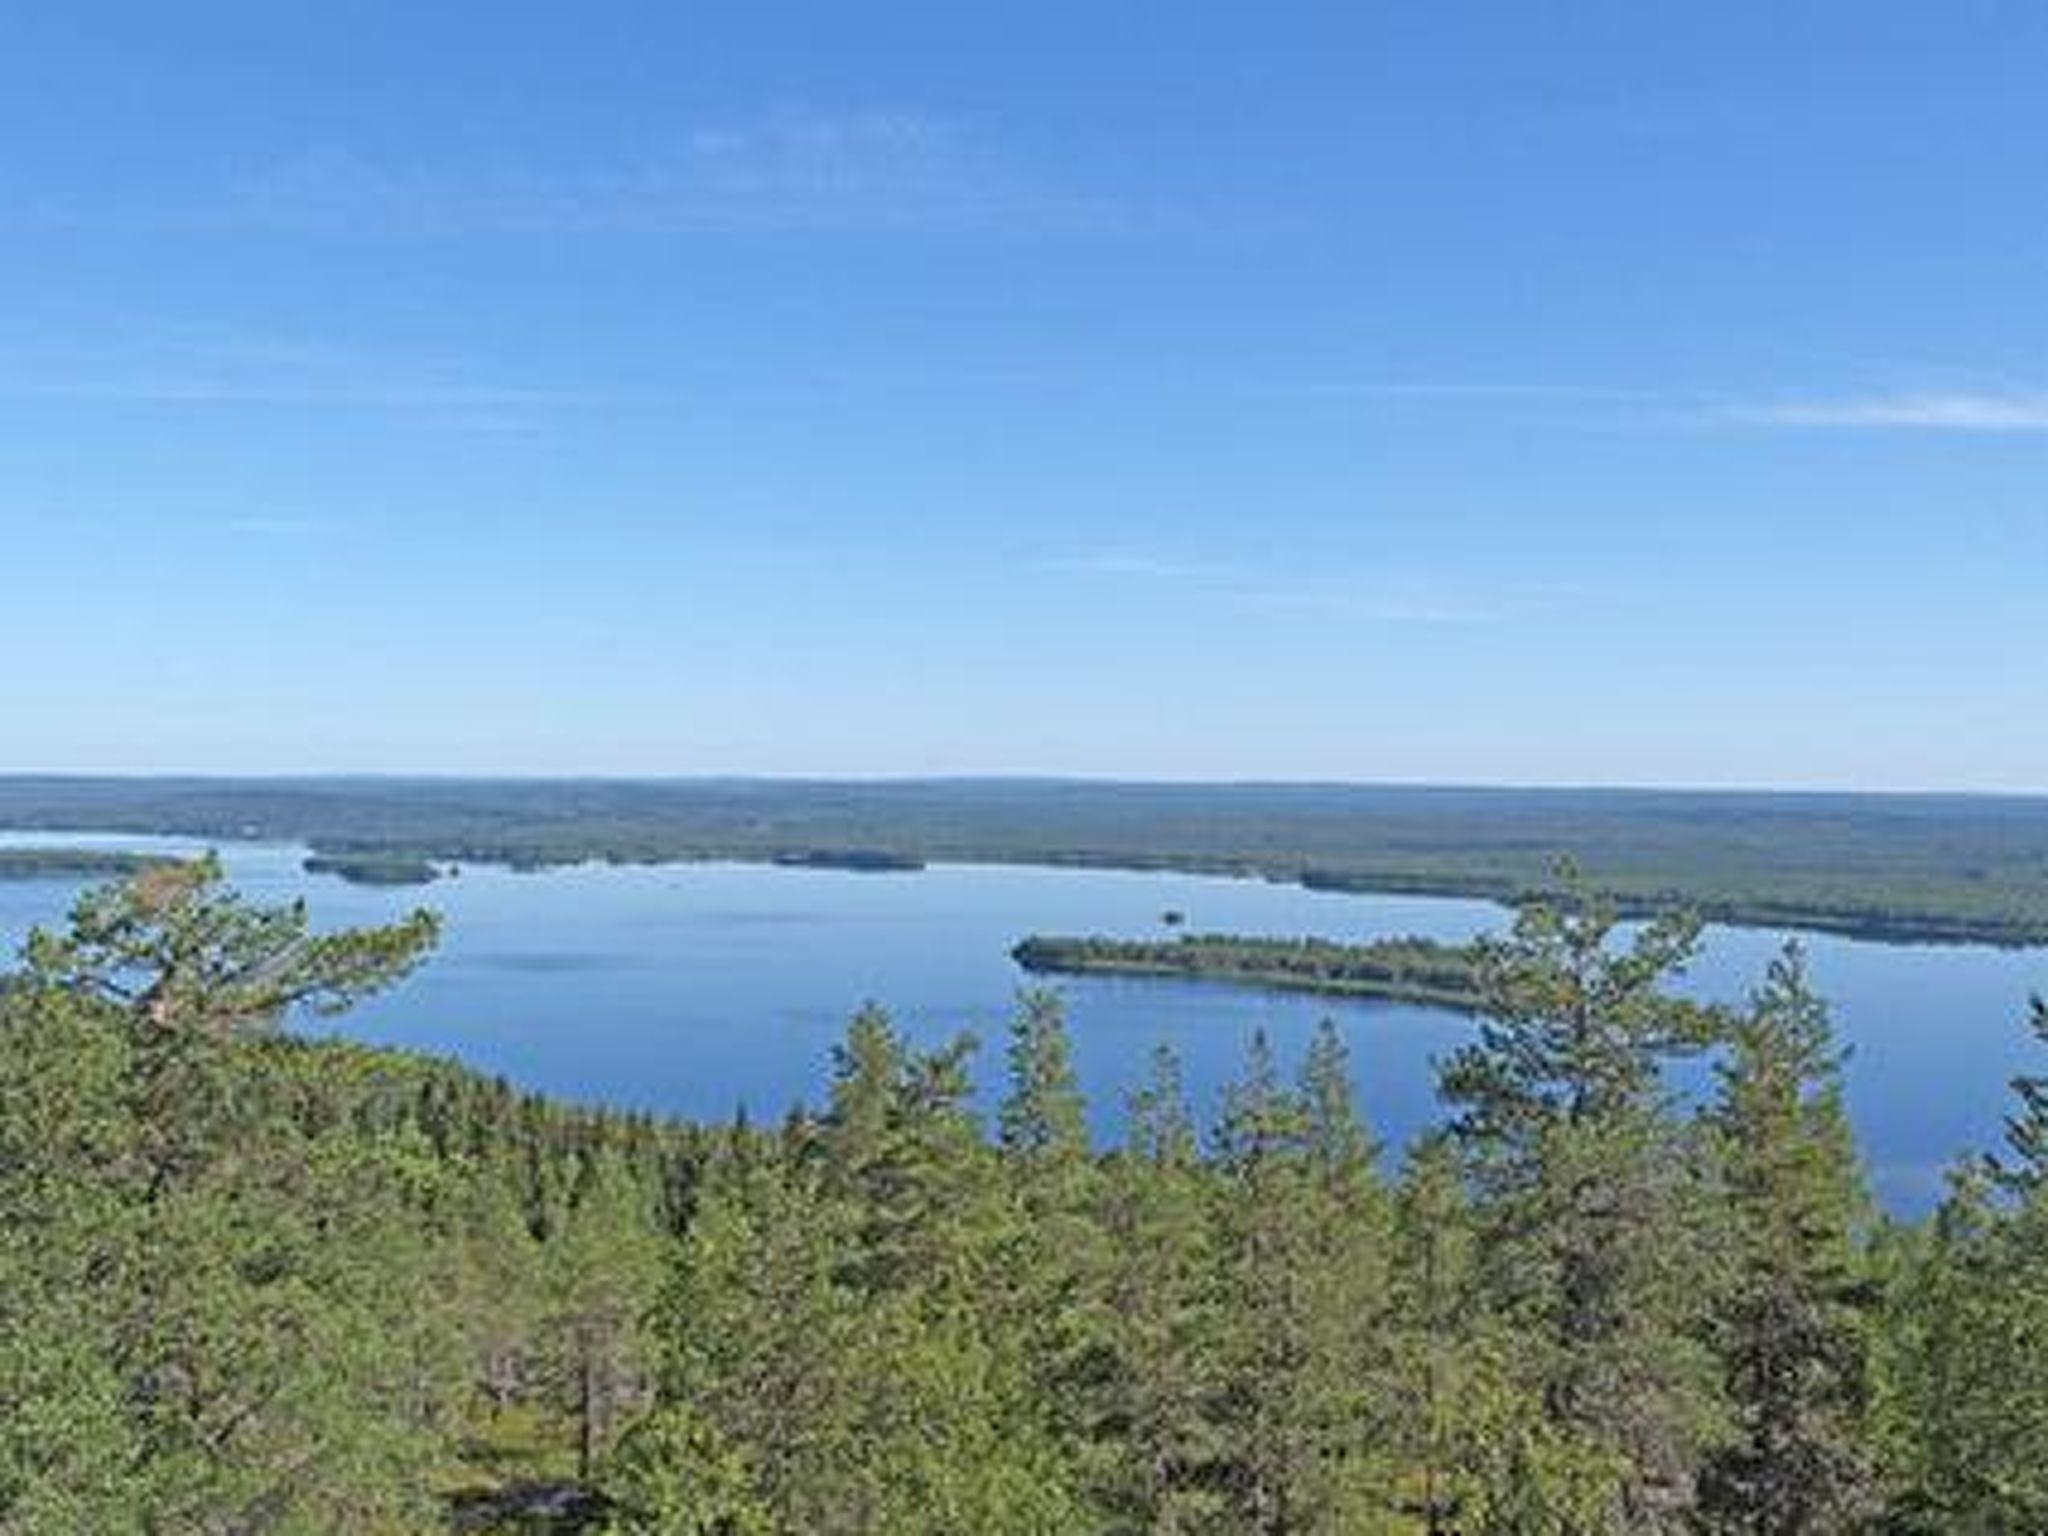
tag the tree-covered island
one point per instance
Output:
(374, 868)
(73, 863)
(1407, 970)
(860, 861)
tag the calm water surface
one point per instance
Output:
(696, 989)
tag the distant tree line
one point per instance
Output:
(1934, 868)
(253, 1285)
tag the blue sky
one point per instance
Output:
(1625, 393)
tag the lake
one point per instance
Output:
(696, 989)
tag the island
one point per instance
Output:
(75, 863)
(863, 861)
(373, 868)
(1406, 970)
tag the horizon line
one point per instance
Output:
(1019, 778)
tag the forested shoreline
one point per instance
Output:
(253, 1283)
(69, 863)
(1949, 869)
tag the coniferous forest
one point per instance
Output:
(254, 1283)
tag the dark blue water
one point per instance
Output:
(696, 989)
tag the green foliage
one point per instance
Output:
(1963, 1351)
(249, 1284)
(1593, 1213)
(2023, 1171)
(373, 868)
(252, 1284)
(1789, 1323)
(1403, 970)
(600, 1268)
(681, 1477)
(184, 955)
(831, 1314)
(1160, 1374)
(1043, 1119)
(70, 863)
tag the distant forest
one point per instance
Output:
(1937, 868)
(254, 1284)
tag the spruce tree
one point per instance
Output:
(1346, 1391)
(2023, 1171)
(1586, 1207)
(1163, 1372)
(1789, 1327)
(1265, 1234)
(1051, 1274)
(763, 1355)
(1439, 1336)
(1963, 1350)
(1043, 1119)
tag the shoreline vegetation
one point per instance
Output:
(382, 869)
(1938, 869)
(1404, 970)
(862, 861)
(68, 863)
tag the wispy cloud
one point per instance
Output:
(1934, 412)
(203, 370)
(791, 172)
(1384, 598)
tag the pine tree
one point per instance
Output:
(1052, 1272)
(602, 1267)
(1043, 1119)
(190, 966)
(1789, 1327)
(1586, 1196)
(836, 1325)
(900, 1146)
(1162, 1373)
(762, 1343)
(1265, 1230)
(1963, 1351)
(677, 1474)
(2023, 1171)
(497, 1275)
(1345, 1396)
(69, 1235)
(262, 1370)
